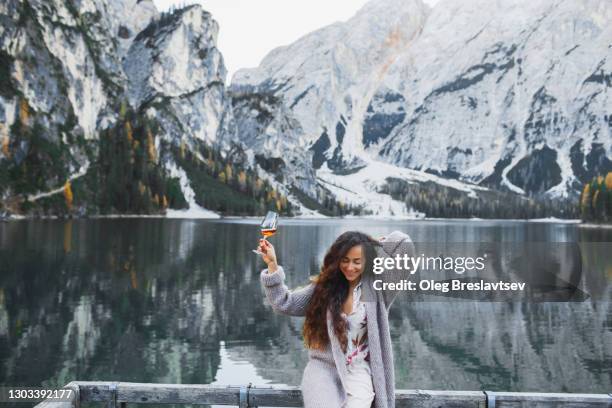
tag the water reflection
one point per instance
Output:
(179, 301)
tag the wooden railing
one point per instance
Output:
(119, 394)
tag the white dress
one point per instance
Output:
(359, 388)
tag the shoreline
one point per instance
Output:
(215, 217)
(595, 225)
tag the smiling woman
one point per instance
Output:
(349, 345)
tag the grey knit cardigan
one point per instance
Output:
(323, 381)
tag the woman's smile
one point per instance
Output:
(351, 264)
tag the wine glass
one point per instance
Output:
(268, 227)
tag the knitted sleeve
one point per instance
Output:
(396, 243)
(283, 300)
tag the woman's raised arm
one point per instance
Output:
(283, 300)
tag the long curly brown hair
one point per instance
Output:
(331, 291)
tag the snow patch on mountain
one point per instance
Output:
(194, 210)
(363, 187)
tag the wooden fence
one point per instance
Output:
(119, 394)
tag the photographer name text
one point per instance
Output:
(447, 286)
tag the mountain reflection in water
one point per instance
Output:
(179, 301)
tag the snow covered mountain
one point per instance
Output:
(511, 95)
(460, 110)
(517, 97)
(301, 106)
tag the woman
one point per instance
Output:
(350, 360)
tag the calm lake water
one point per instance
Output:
(179, 301)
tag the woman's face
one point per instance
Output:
(352, 263)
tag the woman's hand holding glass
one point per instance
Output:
(268, 254)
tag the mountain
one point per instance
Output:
(308, 96)
(469, 109)
(112, 107)
(509, 97)
(176, 73)
(327, 78)
(62, 59)
(516, 99)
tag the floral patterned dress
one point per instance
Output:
(357, 353)
(359, 386)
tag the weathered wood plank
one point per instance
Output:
(275, 396)
(161, 393)
(435, 399)
(547, 400)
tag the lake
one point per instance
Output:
(179, 301)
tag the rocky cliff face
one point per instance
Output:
(302, 104)
(176, 71)
(60, 78)
(512, 95)
(506, 95)
(63, 58)
(74, 69)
